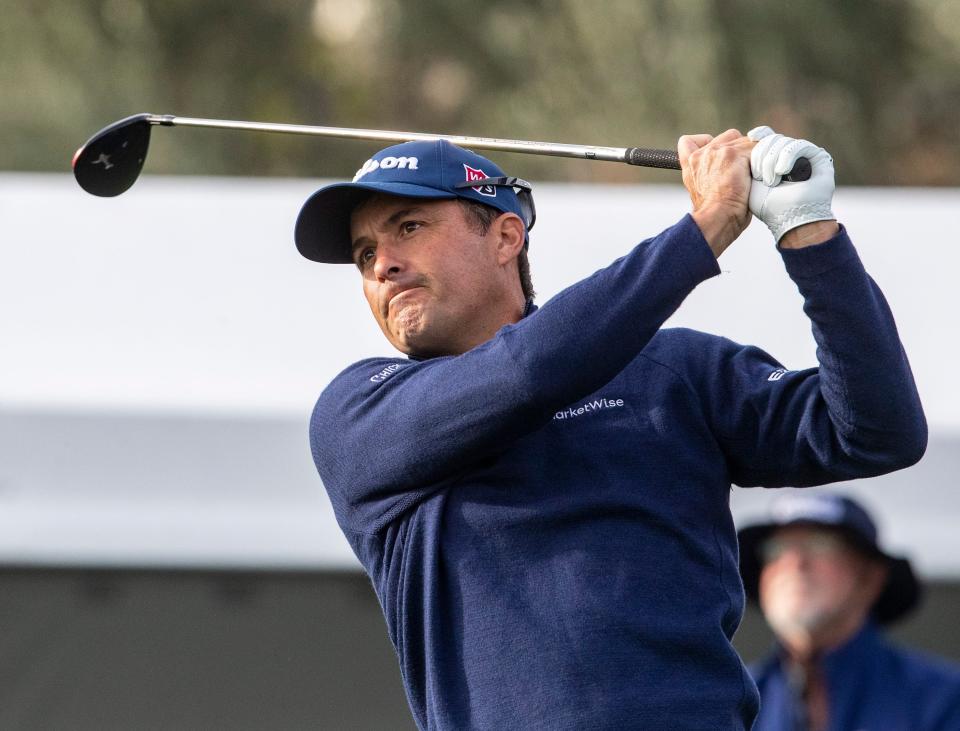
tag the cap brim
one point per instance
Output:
(322, 232)
(900, 594)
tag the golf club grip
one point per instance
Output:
(669, 159)
(649, 158)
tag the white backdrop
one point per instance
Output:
(183, 304)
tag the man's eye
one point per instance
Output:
(409, 227)
(364, 257)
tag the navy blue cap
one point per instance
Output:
(434, 169)
(846, 516)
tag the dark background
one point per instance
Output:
(136, 649)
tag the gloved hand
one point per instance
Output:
(784, 206)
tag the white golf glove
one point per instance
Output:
(784, 206)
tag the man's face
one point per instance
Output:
(435, 285)
(813, 580)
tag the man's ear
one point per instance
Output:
(509, 231)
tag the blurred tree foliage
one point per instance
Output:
(877, 82)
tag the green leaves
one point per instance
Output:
(877, 82)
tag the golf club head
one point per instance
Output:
(111, 161)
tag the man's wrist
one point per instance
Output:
(719, 225)
(809, 234)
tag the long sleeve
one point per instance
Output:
(387, 432)
(858, 414)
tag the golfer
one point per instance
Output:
(540, 496)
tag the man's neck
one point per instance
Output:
(804, 646)
(509, 314)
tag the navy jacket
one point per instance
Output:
(545, 518)
(872, 685)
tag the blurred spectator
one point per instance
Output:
(826, 588)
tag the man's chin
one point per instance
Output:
(419, 336)
(411, 341)
(808, 618)
(407, 330)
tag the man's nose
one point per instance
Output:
(389, 263)
(797, 558)
(794, 555)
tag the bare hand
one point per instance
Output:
(716, 173)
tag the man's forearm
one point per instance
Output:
(614, 314)
(865, 377)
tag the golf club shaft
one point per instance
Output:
(111, 161)
(632, 155)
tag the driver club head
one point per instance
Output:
(110, 161)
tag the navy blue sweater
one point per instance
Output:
(545, 518)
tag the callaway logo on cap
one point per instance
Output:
(435, 169)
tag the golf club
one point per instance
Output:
(111, 161)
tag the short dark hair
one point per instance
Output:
(480, 217)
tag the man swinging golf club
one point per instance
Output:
(540, 496)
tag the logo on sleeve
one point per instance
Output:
(477, 174)
(777, 374)
(386, 372)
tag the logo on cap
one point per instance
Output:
(477, 174)
(387, 163)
